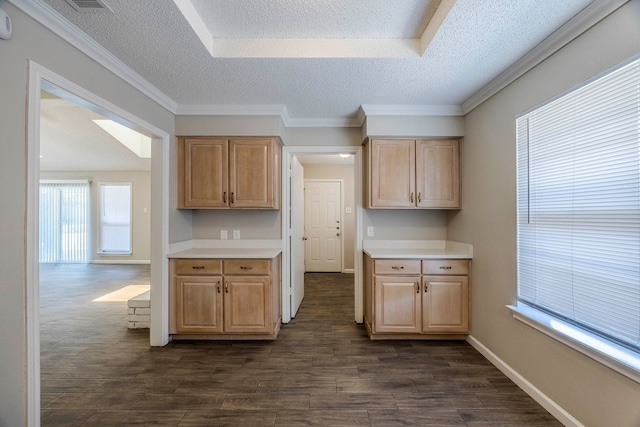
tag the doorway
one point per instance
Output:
(41, 79)
(293, 270)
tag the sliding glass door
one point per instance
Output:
(64, 221)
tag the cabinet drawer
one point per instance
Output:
(198, 266)
(445, 266)
(247, 266)
(397, 266)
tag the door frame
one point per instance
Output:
(41, 78)
(341, 181)
(287, 153)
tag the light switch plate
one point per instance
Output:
(236, 234)
(224, 234)
(370, 231)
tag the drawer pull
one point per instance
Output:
(425, 288)
(198, 267)
(226, 287)
(395, 267)
(244, 267)
(445, 267)
(233, 199)
(417, 288)
(224, 197)
(218, 287)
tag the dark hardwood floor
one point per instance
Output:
(321, 371)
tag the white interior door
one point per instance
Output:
(297, 235)
(323, 230)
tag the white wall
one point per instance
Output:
(346, 173)
(32, 41)
(592, 393)
(140, 220)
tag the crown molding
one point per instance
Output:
(232, 110)
(411, 110)
(329, 122)
(48, 17)
(585, 19)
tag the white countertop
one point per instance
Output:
(201, 248)
(417, 249)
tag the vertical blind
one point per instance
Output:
(578, 206)
(64, 217)
(115, 218)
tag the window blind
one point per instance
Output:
(64, 217)
(578, 206)
(115, 218)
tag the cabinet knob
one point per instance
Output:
(398, 267)
(445, 267)
(244, 267)
(198, 267)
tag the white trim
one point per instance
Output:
(349, 270)
(32, 236)
(588, 17)
(287, 152)
(39, 78)
(99, 186)
(121, 261)
(335, 122)
(51, 19)
(610, 354)
(545, 401)
(231, 110)
(411, 110)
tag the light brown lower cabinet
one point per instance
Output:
(416, 299)
(224, 298)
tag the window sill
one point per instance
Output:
(614, 356)
(115, 253)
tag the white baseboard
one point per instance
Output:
(349, 270)
(121, 261)
(545, 401)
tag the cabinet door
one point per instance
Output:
(252, 173)
(247, 304)
(199, 304)
(438, 173)
(204, 180)
(392, 173)
(397, 304)
(445, 304)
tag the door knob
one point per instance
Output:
(304, 238)
(338, 234)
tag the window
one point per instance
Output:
(115, 218)
(578, 205)
(64, 221)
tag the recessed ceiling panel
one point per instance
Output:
(314, 19)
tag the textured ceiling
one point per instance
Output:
(476, 42)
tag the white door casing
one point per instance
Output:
(323, 225)
(296, 235)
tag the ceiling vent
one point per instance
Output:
(88, 5)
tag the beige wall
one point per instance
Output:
(30, 40)
(592, 393)
(140, 220)
(345, 173)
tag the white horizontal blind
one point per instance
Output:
(115, 218)
(578, 203)
(64, 216)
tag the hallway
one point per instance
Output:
(321, 371)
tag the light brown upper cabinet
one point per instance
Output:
(222, 173)
(410, 174)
